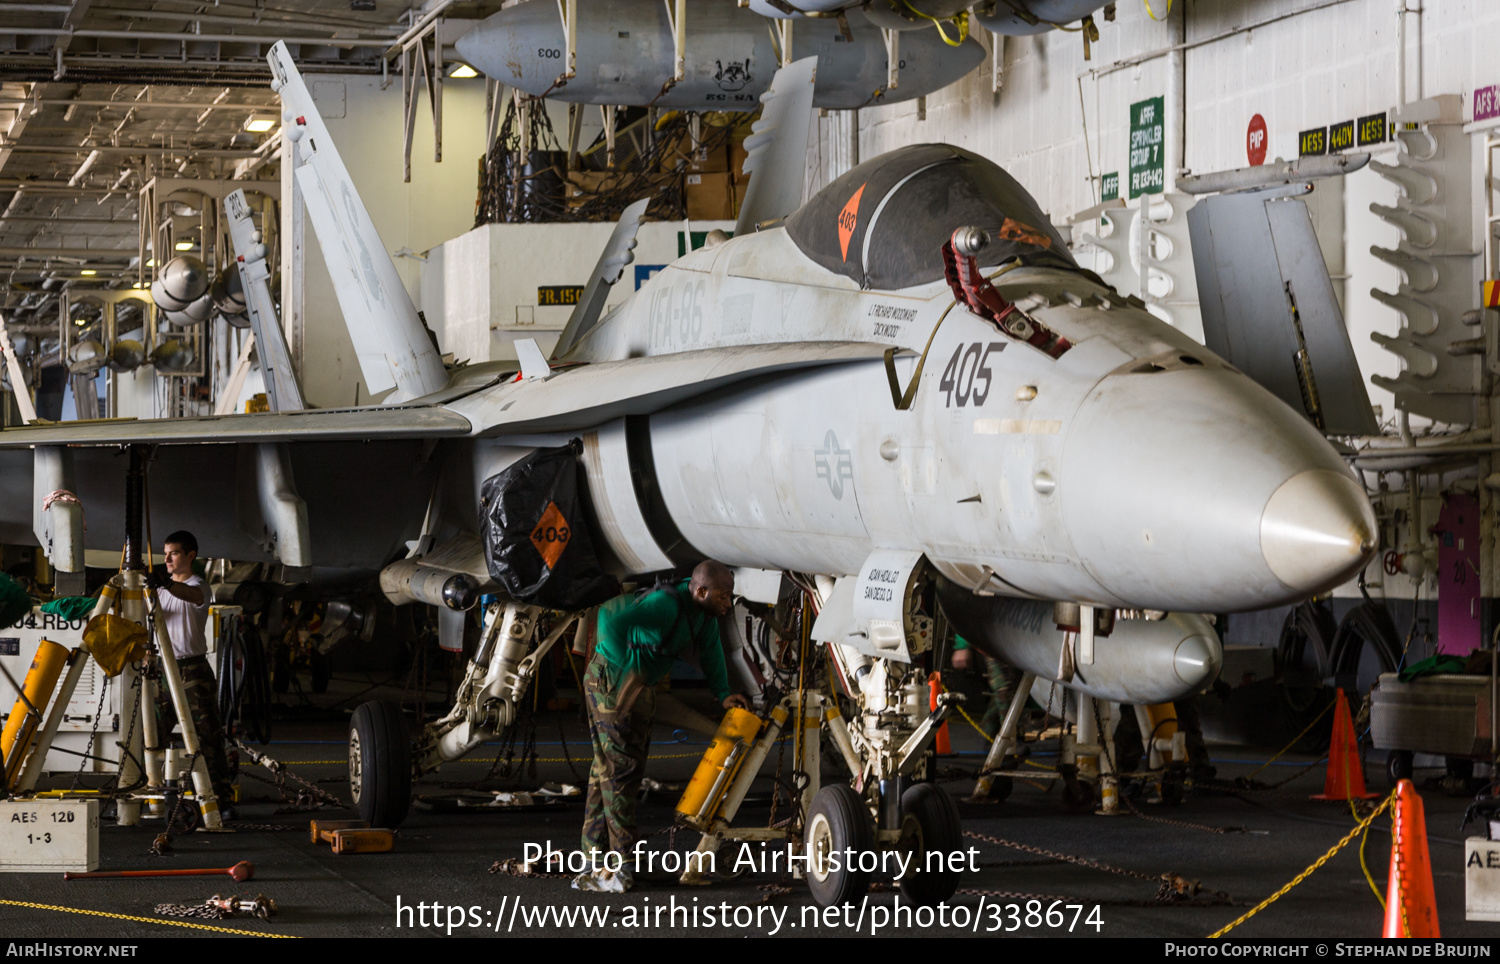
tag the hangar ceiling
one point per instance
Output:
(97, 98)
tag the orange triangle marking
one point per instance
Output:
(849, 220)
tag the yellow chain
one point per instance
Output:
(1282, 752)
(145, 920)
(540, 759)
(1309, 871)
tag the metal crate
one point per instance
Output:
(1447, 714)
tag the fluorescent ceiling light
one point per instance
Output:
(88, 272)
(184, 245)
(463, 72)
(260, 123)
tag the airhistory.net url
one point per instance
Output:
(988, 917)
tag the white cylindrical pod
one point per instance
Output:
(409, 580)
(1142, 662)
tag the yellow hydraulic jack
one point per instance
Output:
(733, 761)
(26, 738)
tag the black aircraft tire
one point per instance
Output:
(929, 824)
(1078, 795)
(837, 822)
(1398, 766)
(380, 763)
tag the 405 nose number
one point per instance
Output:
(967, 377)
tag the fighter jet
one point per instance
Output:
(905, 384)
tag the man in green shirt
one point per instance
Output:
(638, 642)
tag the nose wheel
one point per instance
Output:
(380, 763)
(930, 824)
(838, 825)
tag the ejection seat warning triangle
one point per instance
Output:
(551, 535)
(849, 220)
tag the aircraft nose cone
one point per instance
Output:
(1317, 530)
(1198, 491)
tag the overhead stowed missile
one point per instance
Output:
(1020, 17)
(181, 291)
(887, 14)
(627, 57)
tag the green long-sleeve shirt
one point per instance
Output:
(646, 636)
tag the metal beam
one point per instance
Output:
(128, 222)
(136, 149)
(70, 24)
(111, 254)
(135, 104)
(261, 20)
(417, 29)
(233, 38)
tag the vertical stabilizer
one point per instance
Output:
(777, 147)
(394, 347)
(608, 270)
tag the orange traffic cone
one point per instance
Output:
(934, 687)
(1410, 906)
(1346, 778)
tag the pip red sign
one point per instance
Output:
(1255, 141)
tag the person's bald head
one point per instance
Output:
(712, 587)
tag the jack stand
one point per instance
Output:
(1166, 749)
(1092, 715)
(993, 785)
(128, 592)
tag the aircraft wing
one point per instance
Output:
(578, 398)
(566, 400)
(325, 425)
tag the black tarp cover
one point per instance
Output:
(537, 543)
(909, 202)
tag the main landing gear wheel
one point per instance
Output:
(1078, 795)
(1173, 784)
(929, 824)
(380, 763)
(1000, 789)
(1398, 766)
(837, 823)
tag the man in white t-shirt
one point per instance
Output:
(183, 599)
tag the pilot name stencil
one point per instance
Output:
(889, 314)
(833, 464)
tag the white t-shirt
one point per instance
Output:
(185, 621)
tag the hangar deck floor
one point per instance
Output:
(443, 858)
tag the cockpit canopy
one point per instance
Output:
(884, 222)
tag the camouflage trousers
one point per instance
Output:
(202, 692)
(1001, 680)
(620, 713)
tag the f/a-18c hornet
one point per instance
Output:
(905, 393)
